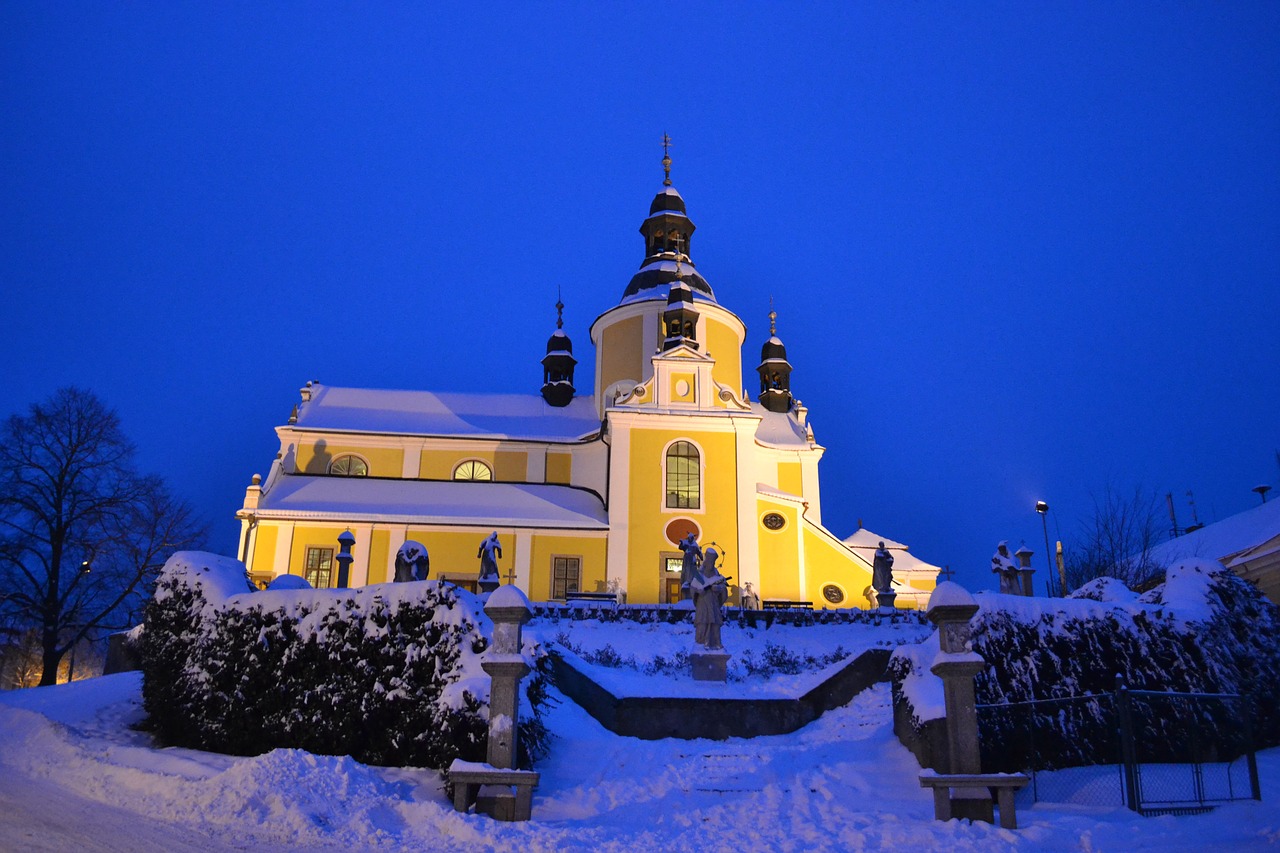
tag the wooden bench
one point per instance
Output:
(608, 597)
(1006, 784)
(785, 604)
(468, 777)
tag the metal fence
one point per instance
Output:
(1154, 752)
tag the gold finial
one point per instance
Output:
(773, 319)
(559, 310)
(666, 160)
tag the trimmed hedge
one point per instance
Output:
(388, 675)
(1204, 631)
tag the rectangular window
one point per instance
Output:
(317, 567)
(684, 490)
(566, 575)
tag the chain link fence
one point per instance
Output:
(1154, 752)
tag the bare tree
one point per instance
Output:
(82, 533)
(1117, 539)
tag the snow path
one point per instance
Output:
(73, 775)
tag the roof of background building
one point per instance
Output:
(510, 416)
(452, 502)
(1222, 538)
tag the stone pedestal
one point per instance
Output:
(496, 787)
(885, 600)
(950, 608)
(710, 666)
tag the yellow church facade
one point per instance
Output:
(587, 492)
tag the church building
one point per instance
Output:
(588, 488)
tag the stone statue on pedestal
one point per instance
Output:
(490, 552)
(1002, 564)
(692, 556)
(710, 590)
(412, 562)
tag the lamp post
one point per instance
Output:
(1043, 509)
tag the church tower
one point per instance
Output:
(558, 364)
(666, 306)
(775, 371)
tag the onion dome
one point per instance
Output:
(558, 364)
(775, 371)
(667, 232)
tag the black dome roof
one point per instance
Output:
(773, 349)
(559, 342)
(667, 199)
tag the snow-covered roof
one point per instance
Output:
(778, 429)
(511, 416)
(1223, 538)
(433, 502)
(864, 543)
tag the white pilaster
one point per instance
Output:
(616, 564)
(523, 560)
(744, 430)
(284, 547)
(395, 539)
(360, 566)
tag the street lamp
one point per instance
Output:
(1043, 509)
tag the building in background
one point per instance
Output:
(587, 492)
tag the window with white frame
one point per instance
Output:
(684, 477)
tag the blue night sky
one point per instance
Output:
(1018, 251)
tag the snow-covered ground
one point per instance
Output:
(74, 775)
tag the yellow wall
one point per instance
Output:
(722, 344)
(559, 468)
(779, 553)
(511, 466)
(380, 556)
(621, 352)
(454, 552)
(383, 461)
(264, 549)
(828, 562)
(317, 536)
(590, 549)
(649, 516)
(439, 464)
(790, 479)
(691, 380)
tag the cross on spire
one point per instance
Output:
(559, 310)
(773, 319)
(666, 160)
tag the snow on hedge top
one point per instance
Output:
(217, 577)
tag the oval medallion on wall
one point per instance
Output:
(833, 593)
(774, 521)
(680, 528)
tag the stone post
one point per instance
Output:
(344, 558)
(496, 787)
(1025, 571)
(950, 608)
(509, 609)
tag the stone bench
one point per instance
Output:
(785, 604)
(513, 799)
(1006, 784)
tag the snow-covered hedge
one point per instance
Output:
(389, 674)
(1204, 630)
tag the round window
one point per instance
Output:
(774, 521)
(833, 593)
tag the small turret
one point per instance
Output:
(558, 364)
(774, 370)
(680, 320)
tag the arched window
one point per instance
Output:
(473, 469)
(684, 480)
(349, 466)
